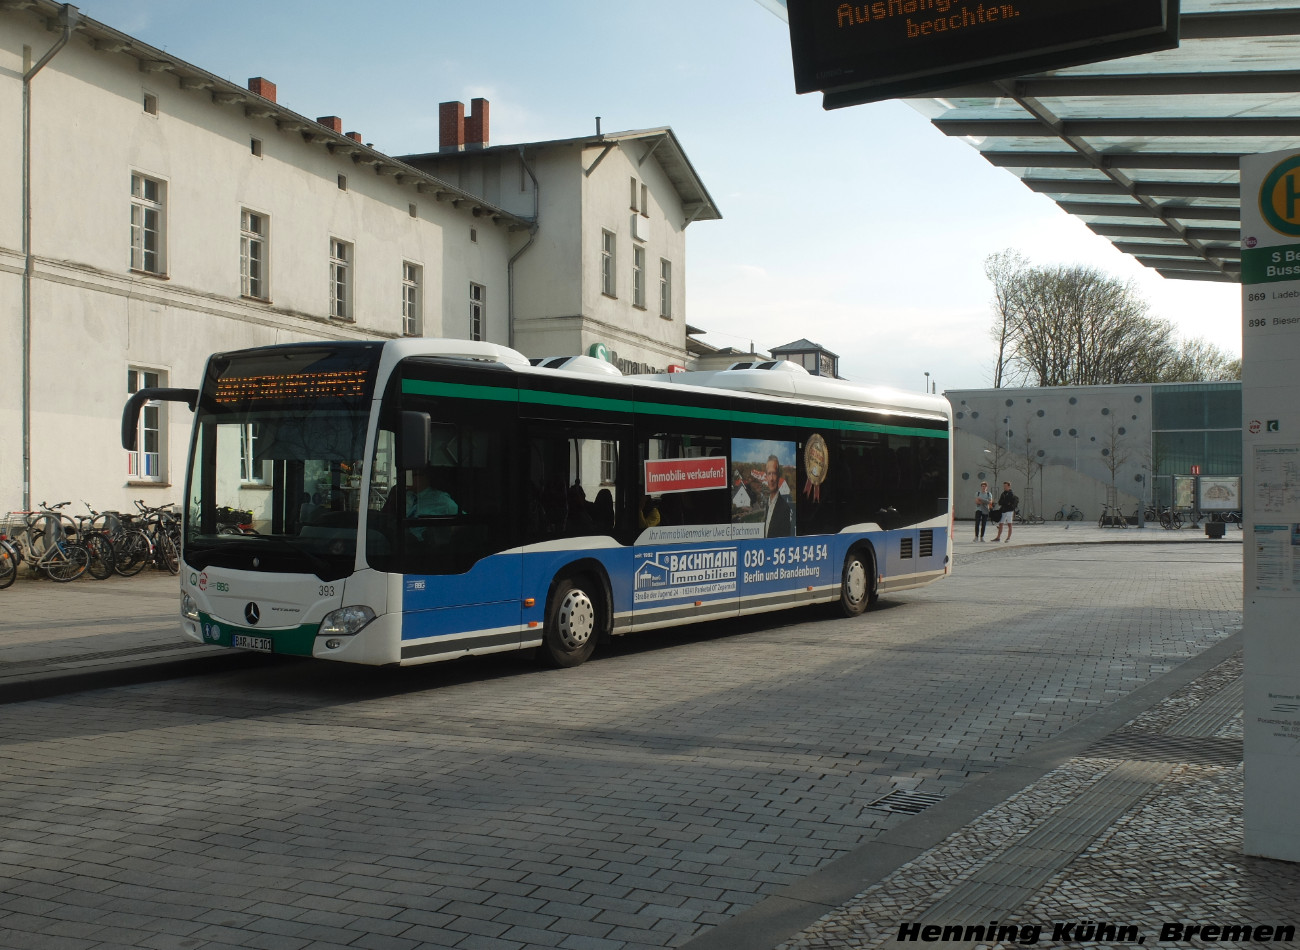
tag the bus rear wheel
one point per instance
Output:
(858, 584)
(573, 619)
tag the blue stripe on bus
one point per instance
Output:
(653, 584)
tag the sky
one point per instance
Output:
(864, 229)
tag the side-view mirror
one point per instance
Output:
(131, 411)
(414, 447)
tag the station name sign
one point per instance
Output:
(885, 49)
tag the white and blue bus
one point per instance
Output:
(408, 501)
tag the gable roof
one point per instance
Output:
(661, 144)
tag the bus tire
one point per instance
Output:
(573, 620)
(857, 583)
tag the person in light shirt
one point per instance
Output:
(423, 500)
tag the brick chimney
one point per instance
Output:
(476, 124)
(262, 87)
(332, 122)
(355, 136)
(451, 126)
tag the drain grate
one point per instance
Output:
(1147, 747)
(906, 803)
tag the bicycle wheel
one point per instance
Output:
(1060, 516)
(1076, 515)
(166, 554)
(8, 564)
(130, 552)
(67, 562)
(101, 556)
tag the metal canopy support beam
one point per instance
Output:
(1155, 231)
(1142, 84)
(1155, 189)
(1146, 128)
(1113, 209)
(1142, 249)
(1176, 161)
(1250, 23)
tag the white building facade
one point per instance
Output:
(157, 213)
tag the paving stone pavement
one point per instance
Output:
(660, 796)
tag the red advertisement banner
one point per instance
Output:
(670, 475)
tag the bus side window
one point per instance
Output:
(701, 506)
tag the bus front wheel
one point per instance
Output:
(573, 619)
(858, 584)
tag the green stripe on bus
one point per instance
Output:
(424, 387)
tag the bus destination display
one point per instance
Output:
(289, 388)
(880, 49)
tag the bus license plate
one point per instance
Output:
(261, 644)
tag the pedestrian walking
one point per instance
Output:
(983, 502)
(1007, 505)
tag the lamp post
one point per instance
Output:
(927, 381)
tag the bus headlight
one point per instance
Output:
(345, 621)
(189, 609)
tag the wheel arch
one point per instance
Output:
(595, 571)
(866, 549)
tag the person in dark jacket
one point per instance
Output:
(780, 514)
(1007, 505)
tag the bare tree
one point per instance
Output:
(1076, 326)
(1114, 455)
(1003, 270)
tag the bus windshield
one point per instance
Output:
(275, 481)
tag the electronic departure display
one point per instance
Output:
(884, 49)
(291, 387)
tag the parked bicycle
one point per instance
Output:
(130, 544)
(10, 558)
(1074, 514)
(45, 544)
(1112, 517)
(1170, 519)
(162, 528)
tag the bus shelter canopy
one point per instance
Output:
(1145, 150)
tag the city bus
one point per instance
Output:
(415, 500)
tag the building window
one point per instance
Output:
(255, 146)
(608, 285)
(412, 275)
(636, 191)
(252, 254)
(150, 103)
(638, 277)
(343, 182)
(477, 310)
(147, 205)
(665, 289)
(145, 463)
(645, 201)
(608, 462)
(249, 470)
(340, 279)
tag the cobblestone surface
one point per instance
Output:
(1173, 860)
(636, 801)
